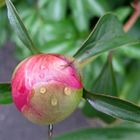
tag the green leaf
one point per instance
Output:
(123, 12)
(79, 15)
(92, 70)
(56, 10)
(135, 30)
(131, 83)
(114, 106)
(19, 27)
(131, 51)
(96, 7)
(106, 81)
(3, 26)
(42, 3)
(90, 112)
(116, 133)
(5, 93)
(108, 34)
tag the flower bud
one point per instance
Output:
(47, 88)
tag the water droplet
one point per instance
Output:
(67, 90)
(50, 131)
(42, 67)
(41, 75)
(54, 101)
(43, 90)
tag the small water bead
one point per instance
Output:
(50, 131)
(54, 101)
(67, 90)
(43, 90)
(42, 67)
(42, 76)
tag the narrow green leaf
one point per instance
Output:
(91, 112)
(42, 3)
(92, 70)
(96, 7)
(114, 133)
(79, 15)
(123, 12)
(106, 81)
(19, 27)
(108, 34)
(56, 10)
(5, 93)
(114, 106)
(131, 51)
(131, 86)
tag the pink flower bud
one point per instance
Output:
(47, 88)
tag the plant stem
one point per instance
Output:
(50, 131)
(133, 18)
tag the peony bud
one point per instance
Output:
(47, 88)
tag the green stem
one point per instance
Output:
(133, 18)
(50, 131)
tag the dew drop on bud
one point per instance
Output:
(42, 67)
(41, 76)
(67, 90)
(54, 101)
(43, 90)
